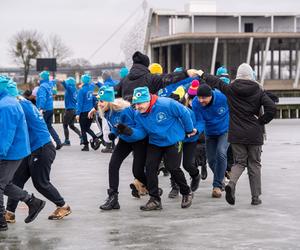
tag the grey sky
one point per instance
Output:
(84, 24)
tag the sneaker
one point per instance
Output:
(152, 204)
(203, 172)
(195, 182)
(230, 193)
(111, 201)
(187, 200)
(67, 143)
(3, 223)
(95, 143)
(85, 148)
(35, 206)
(59, 146)
(60, 212)
(255, 201)
(10, 217)
(216, 193)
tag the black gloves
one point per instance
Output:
(112, 136)
(123, 129)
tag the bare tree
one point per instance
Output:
(54, 47)
(25, 46)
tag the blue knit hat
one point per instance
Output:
(86, 78)
(106, 94)
(141, 95)
(12, 88)
(221, 71)
(3, 82)
(178, 69)
(44, 75)
(123, 72)
(70, 81)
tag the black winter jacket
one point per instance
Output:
(245, 99)
(140, 76)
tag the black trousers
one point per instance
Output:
(68, 121)
(85, 126)
(38, 167)
(188, 159)
(172, 160)
(121, 151)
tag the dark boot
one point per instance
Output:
(35, 206)
(256, 201)
(174, 191)
(95, 143)
(3, 223)
(85, 148)
(230, 193)
(67, 142)
(203, 172)
(187, 200)
(111, 201)
(152, 204)
(108, 148)
(195, 182)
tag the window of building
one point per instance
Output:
(248, 27)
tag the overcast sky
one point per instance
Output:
(84, 24)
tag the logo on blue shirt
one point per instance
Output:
(161, 116)
(221, 110)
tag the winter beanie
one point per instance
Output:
(3, 82)
(178, 69)
(222, 71)
(86, 78)
(140, 58)
(123, 72)
(180, 92)
(71, 81)
(192, 91)
(204, 90)
(156, 68)
(12, 88)
(140, 95)
(245, 72)
(44, 75)
(106, 94)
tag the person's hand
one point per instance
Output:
(112, 136)
(92, 113)
(123, 129)
(200, 72)
(77, 118)
(192, 72)
(41, 112)
(194, 132)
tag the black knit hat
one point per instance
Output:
(204, 90)
(140, 58)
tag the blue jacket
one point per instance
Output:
(199, 126)
(108, 82)
(70, 95)
(37, 128)
(166, 123)
(167, 91)
(125, 116)
(14, 142)
(44, 97)
(85, 99)
(215, 116)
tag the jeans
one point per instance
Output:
(216, 150)
(48, 117)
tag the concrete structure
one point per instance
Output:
(200, 37)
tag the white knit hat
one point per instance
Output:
(245, 72)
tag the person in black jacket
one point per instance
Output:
(140, 76)
(250, 109)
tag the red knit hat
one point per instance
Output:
(192, 91)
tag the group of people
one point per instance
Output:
(162, 119)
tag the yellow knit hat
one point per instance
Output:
(156, 68)
(180, 92)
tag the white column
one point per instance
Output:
(263, 70)
(272, 24)
(187, 56)
(240, 23)
(214, 55)
(295, 24)
(193, 23)
(296, 82)
(249, 50)
(169, 59)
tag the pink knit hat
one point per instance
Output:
(192, 91)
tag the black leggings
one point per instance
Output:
(121, 151)
(85, 125)
(69, 119)
(172, 160)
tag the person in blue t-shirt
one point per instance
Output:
(70, 108)
(211, 108)
(166, 122)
